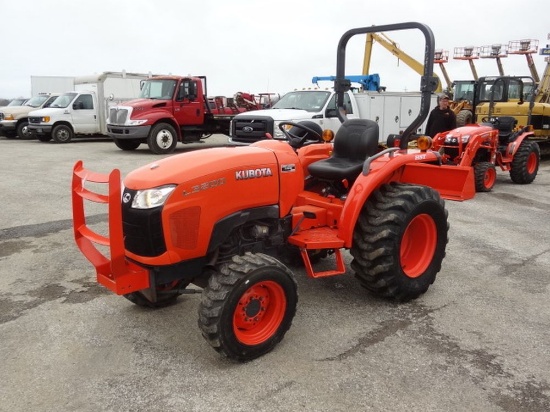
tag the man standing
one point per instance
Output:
(441, 118)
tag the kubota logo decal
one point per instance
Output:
(253, 173)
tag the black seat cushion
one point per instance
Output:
(355, 141)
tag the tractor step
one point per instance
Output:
(315, 239)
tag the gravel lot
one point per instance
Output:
(477, 341)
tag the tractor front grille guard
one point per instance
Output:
(115, 272)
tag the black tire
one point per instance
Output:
(248, 306)
(126, 144)
(399, 241)
(44, 137)
(485, 176)
(23, 131)
(166, 295)
(525, 164)
(464, 117)
(62, 134)
(162, 139)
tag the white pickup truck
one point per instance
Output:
(393, 111)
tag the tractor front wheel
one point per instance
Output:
(248, 306)
(399, 241)
(525, 164)
(485, 176)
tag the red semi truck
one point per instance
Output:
(170, 109)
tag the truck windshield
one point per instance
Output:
(36, 101)
(64, 100)
(17, 102)
(311, 101)
(158, 89)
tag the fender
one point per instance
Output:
(514, 145)
(456, 182)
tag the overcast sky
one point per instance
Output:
(250, 45)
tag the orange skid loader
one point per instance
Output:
(230, 220)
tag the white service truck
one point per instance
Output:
(84, 111)
(393, 111)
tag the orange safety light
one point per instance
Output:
(424, 143)
(328, 135)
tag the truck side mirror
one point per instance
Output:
(192, 91)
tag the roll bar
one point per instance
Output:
(428, 83)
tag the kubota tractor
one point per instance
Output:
(484, 146)
(225, 219)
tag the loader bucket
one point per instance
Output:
(452, 182)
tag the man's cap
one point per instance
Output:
(443, 96)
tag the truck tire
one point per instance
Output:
(399, 241)
(44, 137)
(248, 306)
(464, 117)
(525, 164)
(62, 134)
(23, 131)
(166, 295)
(126, 144)
(162, 139)
(485, 176)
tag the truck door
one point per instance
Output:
(331, 120)
(84, 114)
(188, 106)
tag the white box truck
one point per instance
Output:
(51, 84)
(393, 111)
(84, 111)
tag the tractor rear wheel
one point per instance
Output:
(399, 241)
(248, 306)
(485, 176)
(166, 295)
(525, 164)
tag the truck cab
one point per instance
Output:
(317, 105)
(70, 114)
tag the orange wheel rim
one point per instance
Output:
(532, 163)
(259, 313)
(418, 245)
(490, 177)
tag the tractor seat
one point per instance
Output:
(355, 141)
(505, 126)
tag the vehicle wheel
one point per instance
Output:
(464, 117)
(44, 137)
(485, 176)
(62, 134)
(525, 164)
(248, 306)
(399, 241)
(166, 295)
(162, 139)
(23, 131)
(125, 144)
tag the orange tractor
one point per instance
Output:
(496, 141)
(225, 219)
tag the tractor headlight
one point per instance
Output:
(465, 138)
(150, 198)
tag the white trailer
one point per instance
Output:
(51, 84)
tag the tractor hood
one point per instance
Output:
(200, 167)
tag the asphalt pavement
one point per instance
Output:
(478, 340)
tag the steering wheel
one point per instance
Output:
(298, 141)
